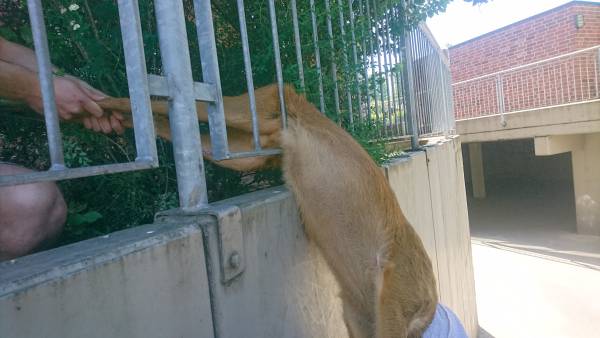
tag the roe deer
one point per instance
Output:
(388, 289)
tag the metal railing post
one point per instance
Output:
(248, 69)
(500, 96)
(371, 60)
(597, 72)
(366, 62)
(40, 41)
(183, 119)
(278, 70)
(315, 34)
(210, 74)
(346, 64)
(336, 93)
(298, 45)
(137, 81)
(355, 57)
(409, 93)
(379, 46)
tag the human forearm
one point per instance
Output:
(18, 82)
(16, 54)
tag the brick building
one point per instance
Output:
(568, 28)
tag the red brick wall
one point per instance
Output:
(545, 35)
(589, 35)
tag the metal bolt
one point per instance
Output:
(235, 260)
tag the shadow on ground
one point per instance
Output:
(534, 218)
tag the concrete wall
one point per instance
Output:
(586, 177)
(166, 280)
(430, 188)
(144, 282)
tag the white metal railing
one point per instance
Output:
(567, 78)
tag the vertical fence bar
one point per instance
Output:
(390, 65)
(562, 92)
(418, 80)
(366, 61)
(183, 120)
(409, 90)
(400, 62)
(400, 83)
(278, 70)
(137, 80)
(395, 63)
(40, 41)
(248, 70)
(543, 90)
(336, 94)
(580, 80)
(574, 83)
(554, 85)
(346, 63)
(587, 78)
(418, 75)
(210, 74)
(444, 102)
(426, 88)
(597, 71)
(379, 68)
(430, 85)
(297, 43)
(313, 17)
(500, 94)
(371, 57)
(450, 99)
(355, 57)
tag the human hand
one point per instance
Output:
(76, 97)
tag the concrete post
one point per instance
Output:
(477, 174)
(586, 179)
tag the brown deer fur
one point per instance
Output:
(386, 279)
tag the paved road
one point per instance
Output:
(534, 276)
(520, 295)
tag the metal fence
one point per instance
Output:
(568, 78)
(399, 81)
(431, 94)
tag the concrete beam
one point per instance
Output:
(552, 145)
(477, 174)
(577, 118)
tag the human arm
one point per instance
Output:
(18, 55)
(19, 81)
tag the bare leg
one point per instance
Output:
(30, 215)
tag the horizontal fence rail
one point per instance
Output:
(355, 62)
(568, 78)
